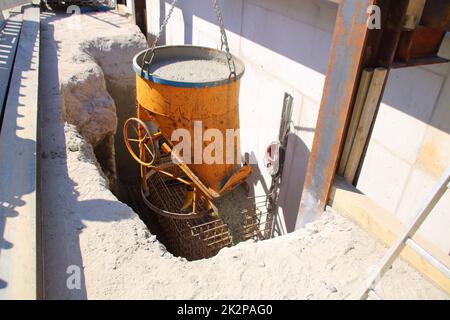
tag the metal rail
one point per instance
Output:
(428, 257)
(405, 239)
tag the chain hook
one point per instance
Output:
(145, 63)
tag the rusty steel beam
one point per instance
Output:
(354, 48)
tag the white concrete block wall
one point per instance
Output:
(285, 46)
(410, 146)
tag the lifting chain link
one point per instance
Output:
(155, 41)
(223, 38)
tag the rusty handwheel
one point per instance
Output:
(137, 136)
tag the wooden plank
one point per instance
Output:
(414, 13)
(367, 116)
(18, 152)
(382, 224)
(366, 78)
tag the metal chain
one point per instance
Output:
(224, 39)
(155, 41)
(163, 25)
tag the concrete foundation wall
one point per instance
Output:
(410, 146)
(285, 46)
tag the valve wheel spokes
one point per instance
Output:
(137, 134)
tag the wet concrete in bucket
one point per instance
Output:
(195, 70)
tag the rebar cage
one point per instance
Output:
(202, 237)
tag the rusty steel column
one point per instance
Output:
(354, 48)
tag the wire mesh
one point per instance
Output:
(204, 237)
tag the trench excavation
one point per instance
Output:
(100, 101)
(240, 217)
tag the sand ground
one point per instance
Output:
(86, 226)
